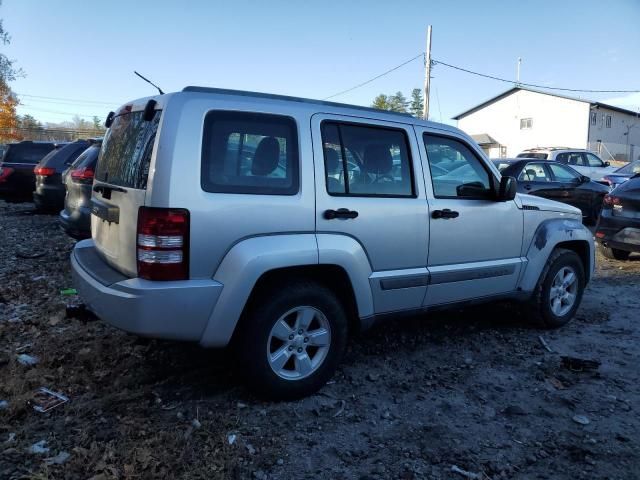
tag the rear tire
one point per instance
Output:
(292, 339)
(559, 290)
(614, 253)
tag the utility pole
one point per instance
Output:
(427, 76)
(518, 71)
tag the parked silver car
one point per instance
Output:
(281, 224)
(583, 161)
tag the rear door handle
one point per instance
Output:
(446, 213)
(340, 213)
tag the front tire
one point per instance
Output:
(614, 253)
(292, 340)
(559, 290)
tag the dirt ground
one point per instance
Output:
(473, 390)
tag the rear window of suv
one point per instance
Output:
(536, 155)
(126, 150)
(249, 153)
(30, 153)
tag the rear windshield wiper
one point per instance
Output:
(108, 188)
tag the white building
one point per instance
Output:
(522, 118)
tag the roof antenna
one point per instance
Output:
(149, 81)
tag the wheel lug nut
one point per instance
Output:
(300, 350)
(306, 339)
(290, 348)
(291, 337)
(300, 332)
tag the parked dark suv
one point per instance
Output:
(75, 218)
(50, 191)
(17, 179)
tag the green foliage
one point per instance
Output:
(399, 103)
(417, 102)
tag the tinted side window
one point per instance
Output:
(562, 158)
(250, 153)
(562, 173)
(455, 169)
(366, 160)
(594, 161)
(575, 159)
(533, 172)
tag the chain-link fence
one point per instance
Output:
(47, 134)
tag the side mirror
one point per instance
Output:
(584, 179)
(607, 164)
(507, 190)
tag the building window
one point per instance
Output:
(608, 122)
(526, 123)
(594, 118)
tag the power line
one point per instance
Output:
(72, 100)
(438, 62)
(56, 112)
(375, 78)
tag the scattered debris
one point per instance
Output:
(514, 410)
(581, 419)
(68, 291)
(36, 279)
(59, 459)
(557, 383)
(232, 438)
(196, 423)
(242, 405)
(44, 400)
(465, 473)
(545, 344)
(11, 439)
(39, 447)
(24, 347)
(27, 255)
(251, 449)
(341, 409)
(80, 312)
(4, 404)
(27, 360)
(576, 364)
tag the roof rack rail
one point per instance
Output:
(273, 96)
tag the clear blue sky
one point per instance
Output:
(87, 50)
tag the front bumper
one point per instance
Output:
(176, 310)
(622, 233)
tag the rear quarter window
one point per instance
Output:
(251, 153)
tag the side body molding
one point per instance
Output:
(241, 268)
(546, 237)
(345, 251)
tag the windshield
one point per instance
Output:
(630, 169)
(536, 155)
(126, 150)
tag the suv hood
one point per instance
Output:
(547, 205)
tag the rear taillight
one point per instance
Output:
(600, 235)
(44, 171)
(4, 173)
(82, 175)
(611, 200)
(163, 243)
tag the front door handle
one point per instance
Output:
(446, 213)
(527, 187)
(340, 213)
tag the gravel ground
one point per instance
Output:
(473, 390)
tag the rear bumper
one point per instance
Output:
(621, 233)
(76, 222)
(172, 310)
(49, 198)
